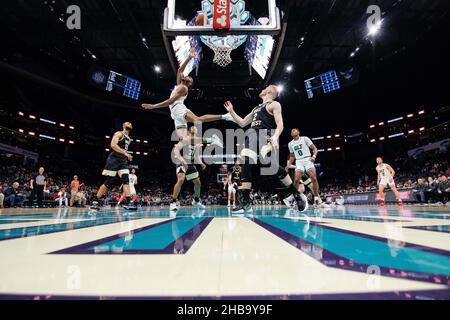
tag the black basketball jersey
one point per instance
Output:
(235, 173)
(123, 143)
(262, 119)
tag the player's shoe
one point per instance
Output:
(198, 204)
(94, 206)
(173, 206)
(301, 202)
(242, 209)
(400, 203)
(130, 206)
(289, 201)
(215, 141)
(228, 117)
(382, 204)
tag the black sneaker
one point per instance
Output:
(242, 209)
(302, 202)
(94, 206)
(130, 206)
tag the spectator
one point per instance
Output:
(419, 190)
(38, 185)
(74, 187)
(62, 195)
(2, 196)
(443, 189)
(13, 196)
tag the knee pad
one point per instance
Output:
(125, 178)
(109, 182)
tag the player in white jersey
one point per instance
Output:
(232, 185)
(178, 110)
(386, 178)
(300, 151)
(132, 181)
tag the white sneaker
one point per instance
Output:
(198, 205)
(289, 201)
(215, 141)
(173, 206)
(228, 117)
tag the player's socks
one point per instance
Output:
(382, 203)
(400, 203)
(173, 205)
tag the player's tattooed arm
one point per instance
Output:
(181, 92)
(241, 122)
(114, 145)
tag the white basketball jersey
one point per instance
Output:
(300, 148)
(383, 171)
(132, 178)
(179, 100)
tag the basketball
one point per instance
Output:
(200, 20)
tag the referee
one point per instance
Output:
(38, 185)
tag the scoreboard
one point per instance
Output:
(325, 83)
(123, 85)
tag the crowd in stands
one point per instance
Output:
(427, 178)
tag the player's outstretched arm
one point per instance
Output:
(241, 122)
(183, 66)
(181, 92)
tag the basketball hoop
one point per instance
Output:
(222, 53)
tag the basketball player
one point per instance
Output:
(132, 178)
(117, 165)
(179, 112)
(386, 178)
(300, 151)
(263, 119)
(186, 169)
(232, 185)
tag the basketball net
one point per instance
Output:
(222, 56)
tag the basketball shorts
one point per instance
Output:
(116, 165)
(387, 182)
(191, 172)
(178, 114)
(231, 189)
(132, 190)
(304, 165)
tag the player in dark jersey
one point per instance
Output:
(267, 121)
(186, 169)
(117, 165)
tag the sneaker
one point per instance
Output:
(94, 206)
(289, 201)
(215, 141)
(198, 205)
(131, 206)
(382, 203)
(242, 209)
(400, 203)
(228, 117)
(302, 203)
(173, 206)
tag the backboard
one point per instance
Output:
(177, 14)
